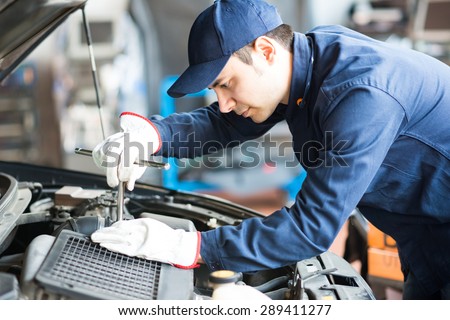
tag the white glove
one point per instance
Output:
(152, 240)
(138, 139)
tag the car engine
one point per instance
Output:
(46, 252)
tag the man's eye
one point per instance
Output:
(224, 85)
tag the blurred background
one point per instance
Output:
(48, 105)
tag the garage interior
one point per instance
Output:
(48, 106)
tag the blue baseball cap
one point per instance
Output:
(218, 32)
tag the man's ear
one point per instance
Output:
(265, 47)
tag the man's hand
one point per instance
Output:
(152, 240)
(138, 139)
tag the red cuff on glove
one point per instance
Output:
(151, 123)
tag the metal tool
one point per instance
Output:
(147, 163)
(120, 200)
(121, 190)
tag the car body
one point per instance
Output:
(47, 215)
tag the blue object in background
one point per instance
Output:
(24, 76)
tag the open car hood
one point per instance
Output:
(24, 24)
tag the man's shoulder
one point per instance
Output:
(327, 34)
(332, 28)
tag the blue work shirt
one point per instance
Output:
(372, 131)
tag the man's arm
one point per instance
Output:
(328, 195)
(206, 129)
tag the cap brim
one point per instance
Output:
(197, 77)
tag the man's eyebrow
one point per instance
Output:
(215, 83)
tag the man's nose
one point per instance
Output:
(226, 103)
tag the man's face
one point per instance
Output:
(251, 91)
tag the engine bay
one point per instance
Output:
(46, 252)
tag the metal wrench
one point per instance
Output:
(120, 201)
(147, 163)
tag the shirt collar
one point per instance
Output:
(301, 69)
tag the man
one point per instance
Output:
(370, 124)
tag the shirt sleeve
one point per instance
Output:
(358, 129)
(205, 130)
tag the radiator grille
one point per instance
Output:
(78, 267)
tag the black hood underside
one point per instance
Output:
(24, 24)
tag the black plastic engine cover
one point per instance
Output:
(329, 277)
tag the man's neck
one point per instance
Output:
(287, 69)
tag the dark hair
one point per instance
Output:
(283, 34)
